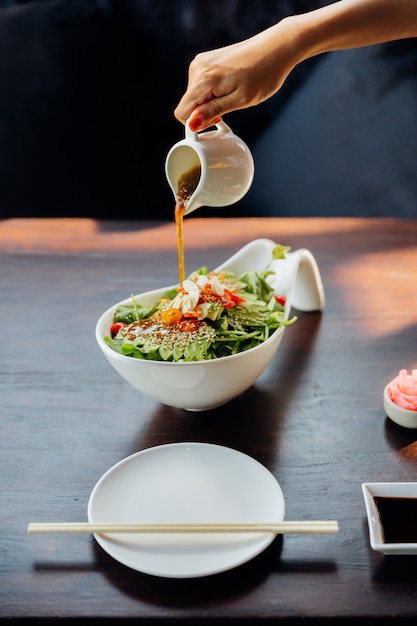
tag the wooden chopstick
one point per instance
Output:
(301, 527)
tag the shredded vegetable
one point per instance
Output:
(209, 316)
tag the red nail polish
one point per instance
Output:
(196, 122)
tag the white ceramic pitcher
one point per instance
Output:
(226, 164)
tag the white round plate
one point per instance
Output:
(186, 483)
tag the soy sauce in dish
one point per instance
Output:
(187, 184)
(398, 517)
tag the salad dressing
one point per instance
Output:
(211, 315)
(187, 184)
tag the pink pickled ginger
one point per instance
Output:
(403, 390)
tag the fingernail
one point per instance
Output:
(196, 122)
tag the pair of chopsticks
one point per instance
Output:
(301, 527)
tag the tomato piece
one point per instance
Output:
(281, 300)
(114, 328)
(171, 316)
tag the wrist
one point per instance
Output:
(309, 36)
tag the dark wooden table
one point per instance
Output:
(315, 419)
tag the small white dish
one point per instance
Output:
(398, 414)
(186, 483)
(205, 385)
(392, 511)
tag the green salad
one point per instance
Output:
(210, 315)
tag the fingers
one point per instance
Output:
(200, 116)
(220, 81)
(199, 121)
(209, 84)
(201, 112)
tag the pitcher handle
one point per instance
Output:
(194, 136)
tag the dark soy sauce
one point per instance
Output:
(398, 517)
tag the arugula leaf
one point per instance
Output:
(256, 285)
(279, 252)
(133, 312)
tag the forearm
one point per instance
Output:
(351, 24)
(247, 73)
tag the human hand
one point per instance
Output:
(247, 73)
(235, 77)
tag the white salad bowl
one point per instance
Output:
(205, 385)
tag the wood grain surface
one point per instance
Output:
(314, 418)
